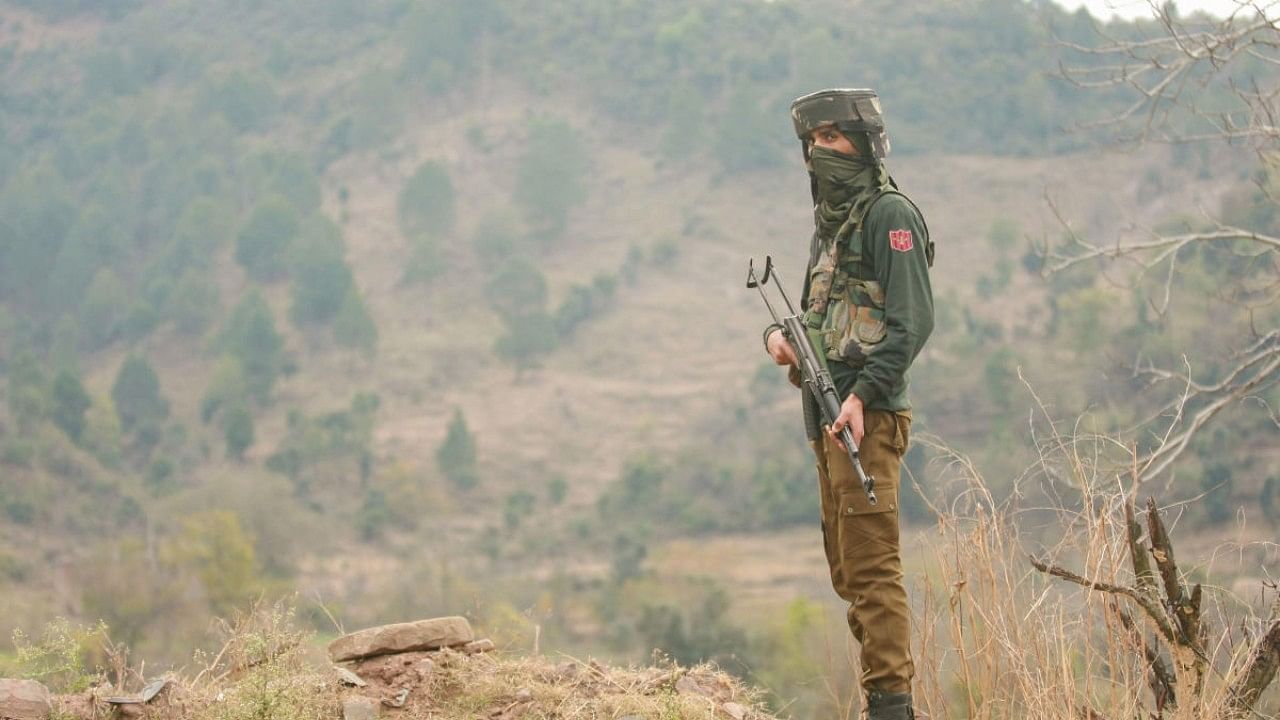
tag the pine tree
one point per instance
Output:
(263, 244)
(70, 402)
(456, 456)
(353, 327)
(251, 337)
(136, 394)
(237, 430)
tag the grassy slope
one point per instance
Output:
(679, 345)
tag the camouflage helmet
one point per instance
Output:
(851, 110)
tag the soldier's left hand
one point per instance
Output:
(851, 415)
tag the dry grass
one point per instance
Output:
(997, 639)
(267, 670)
(535, 687)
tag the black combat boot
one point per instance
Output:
(889, 706)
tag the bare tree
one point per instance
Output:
(1192, 81)
(1182, 633)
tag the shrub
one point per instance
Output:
(59, 658)
(426, 202)
(527, 338)
(275, 679)
(263, 243)
(518, 288)
(516, 507)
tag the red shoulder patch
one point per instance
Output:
(900, 240)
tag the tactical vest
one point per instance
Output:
(854, 321)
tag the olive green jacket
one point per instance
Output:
(894, 239)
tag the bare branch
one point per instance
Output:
(1262, 667)
(1151, 607)
(1161, 677)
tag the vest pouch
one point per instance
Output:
(855, 323)
(868, 325)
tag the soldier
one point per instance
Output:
(867, 295)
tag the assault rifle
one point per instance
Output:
(813, 370)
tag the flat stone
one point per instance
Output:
(24, 700)
(734, 710)
(402, 637)
(346, 677)
(358, 707)
(146, 695)
(483, 645)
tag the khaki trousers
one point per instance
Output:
(861, 543)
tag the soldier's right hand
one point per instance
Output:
(779, 349)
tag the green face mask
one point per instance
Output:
(846, 185)
(840, 177)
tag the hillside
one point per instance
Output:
(417, 308)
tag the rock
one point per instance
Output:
(734, 710)
(524, 695)
(146, 695)
(398, 700)
(476, 647)
(402, 637)
(346, 677)
(24, 700)
(688, 686)
(359, 707)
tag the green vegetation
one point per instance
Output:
(237, 430)
(320, 454)
(456, 456)
(60, 656)
(69, 404)
(263, 243)
(137, 398)
(189, 363)
(250, 337)
(354, 327)
(321, 279)
(551, 176)
(426, 203)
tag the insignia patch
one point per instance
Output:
(900, 240)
